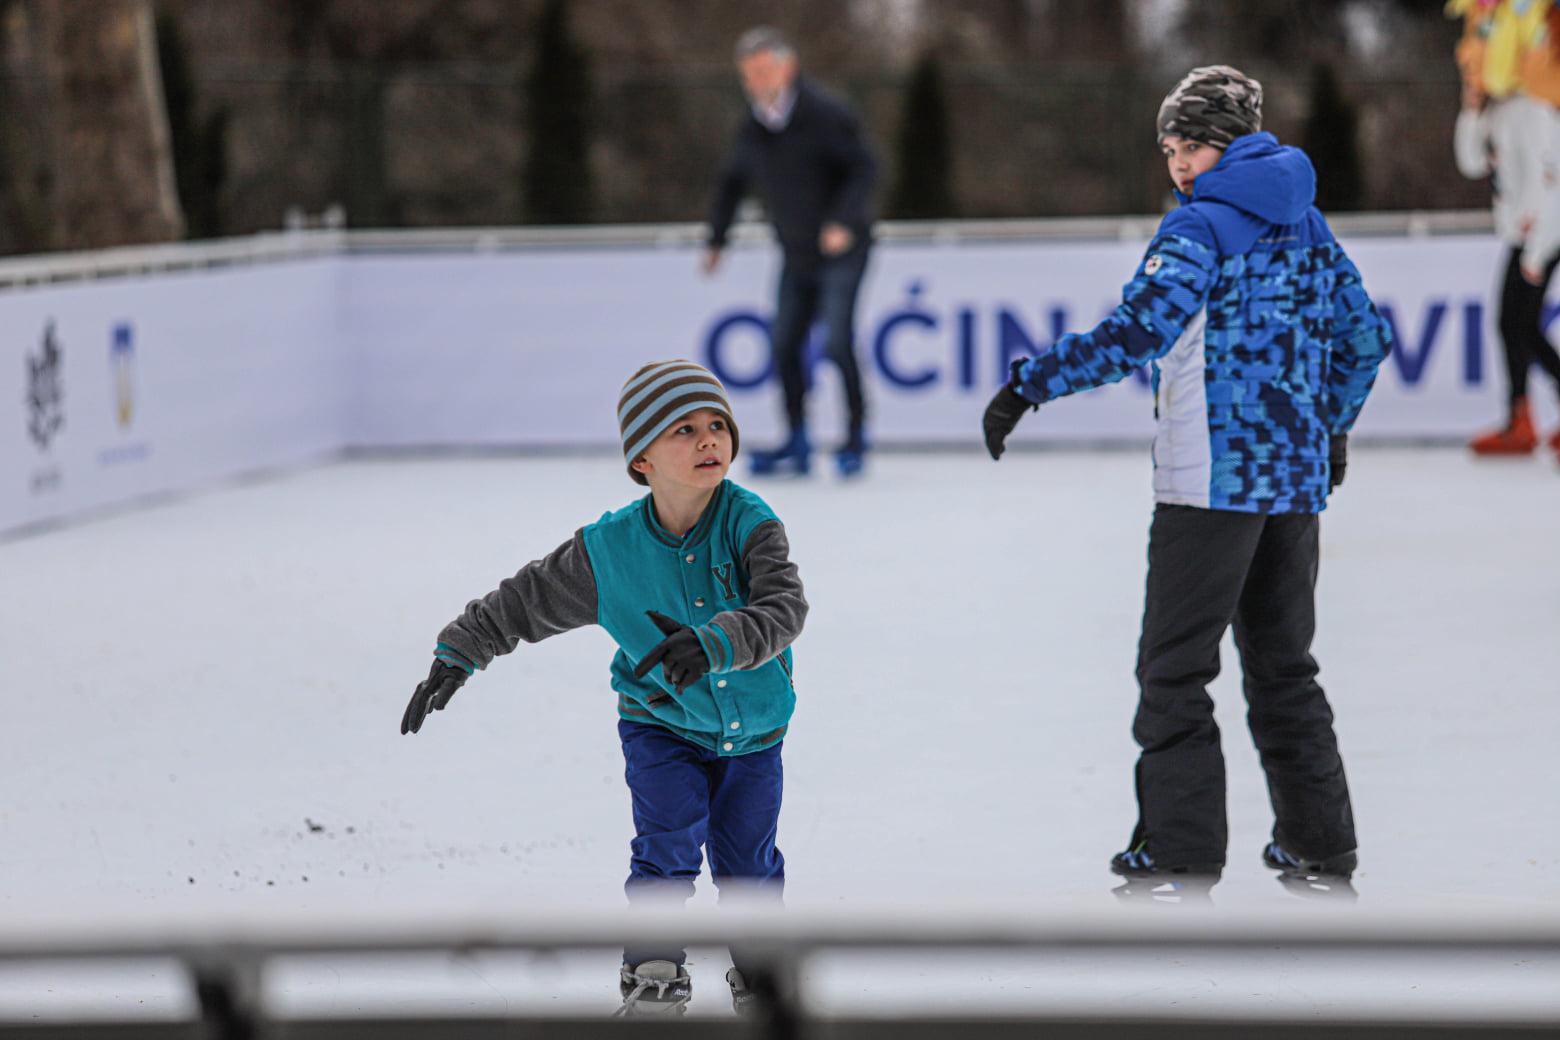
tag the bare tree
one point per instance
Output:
(113, 181)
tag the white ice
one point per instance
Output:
(188, 683)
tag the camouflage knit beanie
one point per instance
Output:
(1214, 104)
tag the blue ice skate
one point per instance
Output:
(1340, 866)
(793, 458)
(852, 456)
(1313, 878)
(1136, 862)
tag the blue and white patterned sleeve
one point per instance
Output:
(1171, 285)
(1361, 341)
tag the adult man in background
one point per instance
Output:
(805, 151)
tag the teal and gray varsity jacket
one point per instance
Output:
(730, 578)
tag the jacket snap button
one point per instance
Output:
(699, 602)
(736, 725)
(727, 745)
(689, 557)
(721, 683)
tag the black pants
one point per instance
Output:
(1206, 569)
(1522, 325)
(824, 291)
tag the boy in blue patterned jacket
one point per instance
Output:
(695, 578)
(1264, 346)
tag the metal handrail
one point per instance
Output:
(298, 244)
(225, 959)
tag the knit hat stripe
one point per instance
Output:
(658, 376)
(676, 383)
(668, 412)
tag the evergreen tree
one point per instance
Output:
(923, 181)
(556, 180)
(1331, 139)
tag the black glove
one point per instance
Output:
(681, 655)
(1003, 413)
(1337, 459)
(432, 694)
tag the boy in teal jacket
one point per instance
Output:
(695, 584)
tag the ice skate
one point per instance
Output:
(1315, 878)
(654, 988)
(793, 458)
(1278, 858)
(744, 1001)
(851, 458)
(1517, 438)
(1137, 863)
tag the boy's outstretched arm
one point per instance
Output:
(776, 607)
(548, 596)
(1361, 341)
(1171, 285)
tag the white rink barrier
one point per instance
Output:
(131, 373)
(1464, 960)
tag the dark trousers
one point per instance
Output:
(1206, 569)
(1522, 325)
(688, 801)
(810, 292)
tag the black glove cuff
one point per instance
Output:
(1015, 381)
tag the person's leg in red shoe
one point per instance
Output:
(1539, 347)
(1517, 437)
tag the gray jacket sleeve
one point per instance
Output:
(547, 596)
(776, 607)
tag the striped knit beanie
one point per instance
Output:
(658, 395)
(1214, 104)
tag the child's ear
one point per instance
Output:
(640, 465)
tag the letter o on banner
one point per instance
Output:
(717, 345)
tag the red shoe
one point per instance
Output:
(1518, 438)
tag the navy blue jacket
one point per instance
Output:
(815, 170)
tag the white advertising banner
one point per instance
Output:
(531, 348)
(116, 389)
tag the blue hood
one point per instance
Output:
(1259, 176)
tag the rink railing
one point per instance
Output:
(304, 244)
(226, 964)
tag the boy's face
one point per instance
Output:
(1187, 160)
(694, 452)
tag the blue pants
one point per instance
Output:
(811, 292)
(688, 800)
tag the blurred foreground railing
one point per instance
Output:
(304, 244)
(225, 964)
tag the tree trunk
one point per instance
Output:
(113, 167)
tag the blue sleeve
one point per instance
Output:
(1171, 285)
(1361, 340)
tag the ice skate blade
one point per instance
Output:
(1189, 890)
(1329, 887)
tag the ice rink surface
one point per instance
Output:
(203, 699)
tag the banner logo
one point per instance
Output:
(121, 356)
(45, 392)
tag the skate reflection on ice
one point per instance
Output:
(1189, 890)
(1332, 887)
